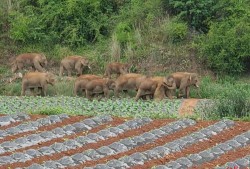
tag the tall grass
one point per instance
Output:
(230, 98)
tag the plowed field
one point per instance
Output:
(63, 141)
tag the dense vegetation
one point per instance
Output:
(125, 29)
(166, 34)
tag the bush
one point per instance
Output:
(175, 31)
(226, 47)
(197, 14)
(72, 23)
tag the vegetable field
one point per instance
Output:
(106, 141)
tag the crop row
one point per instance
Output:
(78, 105)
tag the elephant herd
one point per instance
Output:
(156, 88)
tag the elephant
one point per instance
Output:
(74, 62)
(116, 68)
(149, 85)
(129, 81)
(36, 60)
(40, 80)
(99, 86)
(183, 82)
(81, 81)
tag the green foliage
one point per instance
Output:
(226, 47)
(78, 105)
(175, 30)
(124, 32)
(50, 111)
(197, 14)
(68, 22)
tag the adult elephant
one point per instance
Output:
(38, 80)
(183, 82)
(76, 63)
(156, 87)
(37, 61)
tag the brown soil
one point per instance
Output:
(187, 107)
(229, 156)
(115, 122)
(158, 142)
(240, 127)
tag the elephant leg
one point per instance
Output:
(116, 91)
(32, 91)
(68, 68)
(23, 89)
(187, 91)
(44, 90)
(169, 94)
(61, 70)
(106, 92)
(88, 94)
(138, 95)
(69, 72)
(80, 71)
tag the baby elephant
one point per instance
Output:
(38, 80)
(99, 86)
(74, 62)
(116, 68)
(35, 60)
(81, 82)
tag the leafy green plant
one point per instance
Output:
(50, 111)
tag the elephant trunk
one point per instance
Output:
(172, 87)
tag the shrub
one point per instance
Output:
(226, 47)
(175, 30)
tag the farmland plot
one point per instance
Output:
(105, 141)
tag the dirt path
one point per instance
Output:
(187, 107)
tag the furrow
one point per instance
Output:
(139, 158)
(17, 131)
(122, 145)
(83, 141)
(225, 135)
(239, 163)
(59, 132)
(12, 118)
(158, 142)
(208, 154)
